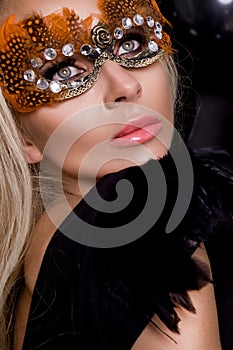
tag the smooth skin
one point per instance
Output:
(115, 84)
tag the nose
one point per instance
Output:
(119, 84)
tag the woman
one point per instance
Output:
(59, 292)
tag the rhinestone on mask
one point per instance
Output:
(153, 46)
(55, 86)
(158, 26)
(29, 75)
(36, 62)
(68, 50)
(42, 84)
(150, 21)
(127, 23)
(50, 54)
(86, 50)
(118, 33)
(158, 34)
(158, 30)
(74, 84)
(138, 20)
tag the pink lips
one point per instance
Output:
(138, 131)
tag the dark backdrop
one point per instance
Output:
(203, 38)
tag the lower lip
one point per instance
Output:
(138, 136)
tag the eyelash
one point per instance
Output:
(131, 38)
(51, 72)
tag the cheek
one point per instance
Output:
(85, 155)
(39, 129)
(41, 124)
(157, 91)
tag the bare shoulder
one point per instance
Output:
(197, 331)
(38, 243)
(41, 235)
(39, 240)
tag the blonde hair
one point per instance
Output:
(170, 68)
(16, 217)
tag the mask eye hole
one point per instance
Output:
(128, 47)
(67, 70)
(133, 43)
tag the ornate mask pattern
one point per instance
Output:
(48, 59)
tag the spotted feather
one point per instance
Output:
(113, 11)
(78, 29)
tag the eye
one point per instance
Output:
(76, 68)
(67, 72)
(128, 46)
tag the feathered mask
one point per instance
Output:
(49, 59)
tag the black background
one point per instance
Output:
(203, 37)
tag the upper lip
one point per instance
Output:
(136, 124)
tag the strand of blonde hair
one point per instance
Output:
(15, 216)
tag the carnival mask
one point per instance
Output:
(48, 59)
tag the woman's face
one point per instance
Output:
(105, 130)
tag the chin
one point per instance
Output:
(114, 166)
